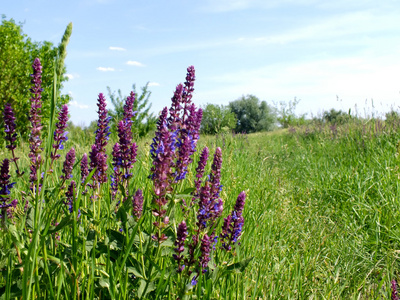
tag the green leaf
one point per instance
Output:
(239, 267)
(64, 222)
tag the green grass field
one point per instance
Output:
(321, 219)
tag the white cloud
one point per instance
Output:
(103, 69)
(154, 84)
(134, 63)
(117, 48)
(72, 76)
(75, 103)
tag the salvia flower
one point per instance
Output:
(11, 135)
(216, 187)
(60, 135)
(205, 250)
(394, 288)
(162, 152)
(233, 224)
(9, 122)
(128, 107)
(137, 204)
(35, 119)
(98, 156)
(180, 245)
(68, 164)
(200, 171)
(6, 204)
(84, 168)
(70, 196)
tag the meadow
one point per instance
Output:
(320, 217)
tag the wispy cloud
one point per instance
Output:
(117, 48)
(134, 63)
(75, 103)
(154, 84)
(103, 69)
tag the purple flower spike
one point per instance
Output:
(6, 205)
(180, 245)
(68, 164)
(128, 107)
(11, 136)
(137, 204)
(35, 118)
(60, 135)
(216, 187)
(395, 293)
(84, 168)
(9, 122)
(98, 156)
(205, 249)
(200, 171)
(233, 224)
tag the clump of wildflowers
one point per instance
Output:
(6, 204)
(35, 119)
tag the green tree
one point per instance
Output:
(144, 121)
(337, 117)
(217, 118)
(287, 115)
(17, 52)
(252, 114)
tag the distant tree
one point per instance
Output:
(17, 53)
(144, 121)
(252, 114)
(217, 118)
(287, 115)
(337, 117)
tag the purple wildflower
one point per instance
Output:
(6, 205)
(233, 224)
(216, 187)
(162, 152)
(128, 107)
(84, 168)
(68, 164)
(180, 244)
(35, 119)
(137, 204)
(9, 122)
(60, 135)
(200, 171)
(70, 196)
(11, 136)
(205, 249)
(98, 156)
(395, 293)
(204, 214)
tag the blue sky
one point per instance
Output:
(329, 54)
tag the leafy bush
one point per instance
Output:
(217, 119)
(252, 115)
